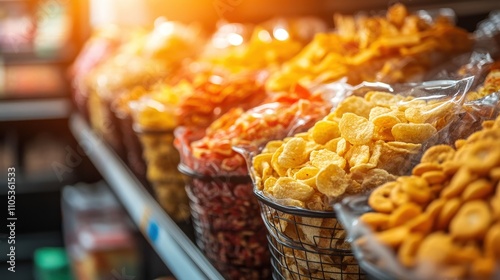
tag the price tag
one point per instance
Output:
(148, 225)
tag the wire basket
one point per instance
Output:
(131, 143)
(162, 159)
(227, 223)
(105, 123)
(307, 244)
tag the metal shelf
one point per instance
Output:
(173, 246)
(34, 109)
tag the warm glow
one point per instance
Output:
(159, 21)
(217, 80)
(280, 34)
(235, 39)
(264, 36)
(219, 42)
(166, 28)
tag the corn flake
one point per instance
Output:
(355, 129)
(332, 181)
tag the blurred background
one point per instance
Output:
(65, 210)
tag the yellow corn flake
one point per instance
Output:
(332, 181)
(324, 131)
(272, 146)
(333, 144)
(258, 161)
(293, 153)
(377, 111)
(342, 147)
(274, 162)
(385, 121)
(358, 155)
(267, 170)
(413, 133)
(376, 152)
(355, 129)
(323, 158)
(269, 184)
(361, 168)
(429, 113)
(383, 99)
(354, 104)
(286, 187)
(306, 173)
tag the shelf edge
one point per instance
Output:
(182, 257)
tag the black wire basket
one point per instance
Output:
(227, 224)
(306, 244)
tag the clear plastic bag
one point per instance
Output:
(487, 34)
(307, 239)
(382, 261)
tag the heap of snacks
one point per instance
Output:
(491, 84)
(141, 61)
(194, 97)
(225, 213)
(253, 128)
(97, 49)
(154, 121)
(268, 45)
(444, 220)
(395, 48)
(212, 94)
(178, 102)
(358, 146)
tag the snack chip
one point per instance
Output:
(368, 138)
(356, 129)
(399, 47)
(206, 151)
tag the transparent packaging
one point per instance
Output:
(306, 238)
(459, 257)
(476, 123)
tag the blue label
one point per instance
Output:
(152, 230)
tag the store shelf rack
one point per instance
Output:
(34, 109)
(178, 252)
